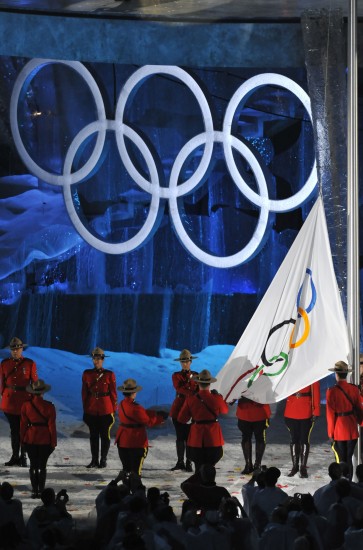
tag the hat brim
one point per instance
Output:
(185, 359)
(127, 390)
(204, 381)
(17, 347)
(45, 389)
(341, 370)
(98, 355)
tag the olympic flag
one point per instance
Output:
(298, 330)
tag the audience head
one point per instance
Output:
(6, 491)
(165, 513)
(260, 479)
(271, 476)
(335, 471)
(307, 504)
(48, 496)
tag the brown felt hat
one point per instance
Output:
(98, 352)
(185, 355)
(129, 386)
(16, 343)
(204, 377)
(341, 366)
(38, 387)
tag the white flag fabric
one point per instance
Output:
(298, 330)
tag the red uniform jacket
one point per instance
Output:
(37, 422)
(304, 404)
(252, 411)
(99, 393)
(15, 376)
(208, 434)
(184, 386)
(133, 421)
(342, 428)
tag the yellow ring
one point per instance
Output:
(306, 330)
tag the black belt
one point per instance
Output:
(205, 421)
(306, 394)
(38, 424)
(99, 394)
(132, 425)
(180, 395)
(347, 413)
(16, 388)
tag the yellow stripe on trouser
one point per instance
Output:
(146, 450)
(335, 453)
(110, 426)
(311, 429)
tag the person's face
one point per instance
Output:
(97, 361)
(185, 364)
(16, 353)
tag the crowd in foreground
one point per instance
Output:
(131, 516)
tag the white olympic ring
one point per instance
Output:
(207, 139)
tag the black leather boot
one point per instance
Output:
(33, 474)
(42, 476)
(260, 449)
(180, 450)
(105, 445)
(15, 458)
(295, 454)
(95, 444)
(247, 453)
(304, 460)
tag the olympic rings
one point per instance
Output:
(152, 186)
(283, 356)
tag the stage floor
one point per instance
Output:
(198, 10)
(66, 466)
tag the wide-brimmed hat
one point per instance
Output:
(185, 355)
(98, 352)
(38, 387)
(16, 343)
(341, 366)
(129, 386)
(204, 377)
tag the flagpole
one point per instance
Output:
(353, 195)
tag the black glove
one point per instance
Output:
(214, 392)
(163, 414)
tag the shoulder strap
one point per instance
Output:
(97, 379)
(205, 404)
(38, 411)
(346, 395)
(123, 410)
